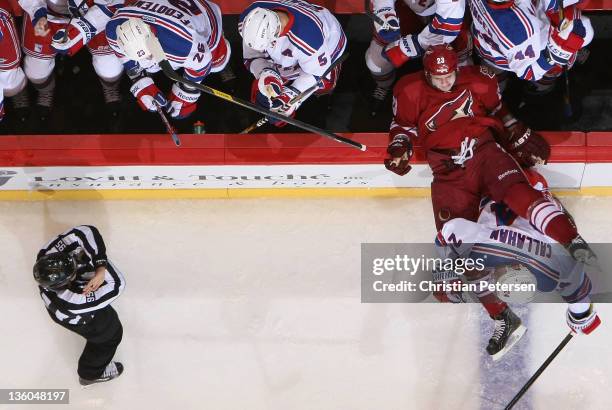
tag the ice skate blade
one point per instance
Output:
(514, 338)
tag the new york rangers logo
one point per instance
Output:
(459, 107)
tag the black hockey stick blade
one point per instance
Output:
(173, 75)
(538, 372)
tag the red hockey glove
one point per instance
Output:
(400, 150)
(270, 83)
(585, 323)
(79, 32)
(283, 105)
(403, 50)
(146, 92)
(183, 101)
(526, 146)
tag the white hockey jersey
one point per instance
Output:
(446, 21)
(515, 38)
(501, 238)
(95, 12)
(310, 43)
(187, 32)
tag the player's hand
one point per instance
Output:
(526, 146)
(71, 39)
(146, 92)
(401, 51)
(564, 42)
(283, 104)
(95, 282)
(183, 101)
(270, 83)
(584, 324)
(41, 28)
(389, 31)
(400, 150)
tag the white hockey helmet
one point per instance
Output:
(260, 28)
(138, 42)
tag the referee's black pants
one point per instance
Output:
(103, 334)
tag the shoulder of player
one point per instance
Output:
(306, 31)
(409, 86)
(477, 74)
(516, 25)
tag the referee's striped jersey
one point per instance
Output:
(69, 305)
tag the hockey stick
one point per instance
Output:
(567, 102)
(538, 372)
(158, 55)
(173, 75)
(169, 126)
(65, 38)
(370, 14)
(303, 94)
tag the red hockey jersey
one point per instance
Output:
(442, 120)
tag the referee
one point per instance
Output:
(78, 284)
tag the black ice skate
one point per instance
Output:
(580, 250)
(508, 331)
(112, 371)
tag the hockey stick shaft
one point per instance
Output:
(370, 14)
(65, 38)
(567, 101)
(173, 75)
(169, 126)
(538, 372)
(300, 96)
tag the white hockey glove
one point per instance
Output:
(73, 38)
(146, 92)
(183, 101)
(389, 31)
(584, 323)
(401, 51)
(270, 83)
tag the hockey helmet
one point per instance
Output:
(260, 28)
(138, 42)
(55, 270)
(440, 59)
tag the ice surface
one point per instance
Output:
(255, 304)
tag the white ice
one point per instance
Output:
(255, 304)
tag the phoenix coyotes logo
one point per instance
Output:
(459, 107)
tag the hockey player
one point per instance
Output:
(500, 238)
(65, 26)
(454, 113)
(78, 283)
(410, 27)
(528, 39)
(12, 79)
(190, 35)
(287, 45)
